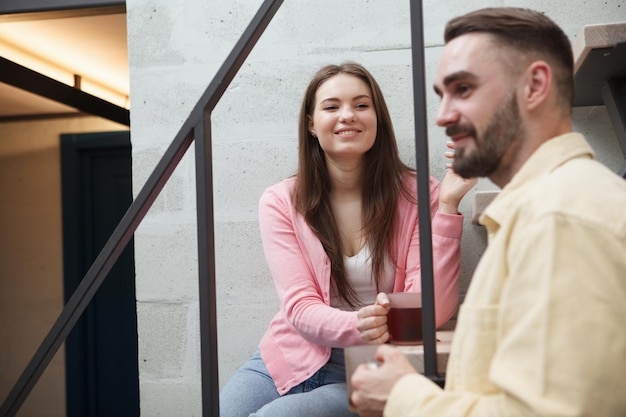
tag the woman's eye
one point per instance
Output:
(330, 108)
(362, 106)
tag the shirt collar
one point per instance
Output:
(549, 156)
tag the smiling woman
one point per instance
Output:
(337, 234)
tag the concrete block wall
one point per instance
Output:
(175, 49)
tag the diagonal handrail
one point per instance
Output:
(198, 127)
(135, 214)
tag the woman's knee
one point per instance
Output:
(249, 389)
(325, 401)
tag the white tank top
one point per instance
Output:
(359, 273)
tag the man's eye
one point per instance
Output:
(463, 89)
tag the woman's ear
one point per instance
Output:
(537, 84)
(311, 126)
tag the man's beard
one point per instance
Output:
(504, 129)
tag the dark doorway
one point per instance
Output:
(101, 351)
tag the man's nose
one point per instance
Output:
(446, 114)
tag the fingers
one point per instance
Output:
(374, 310)
(382, 300)
(372, 384)
(372, 324)
(449, 154)
(385, 353)
(361, 374)
(376, 336)
(365, 395)
(372, 321)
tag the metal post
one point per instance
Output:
(206, 269)
(204, 192)
(423, 193)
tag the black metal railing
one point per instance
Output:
(422, 166)
(197, 127)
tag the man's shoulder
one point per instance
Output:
(581, 188)
(584, 176)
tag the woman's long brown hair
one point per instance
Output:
(382, 183)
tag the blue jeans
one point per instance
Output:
(251, 392)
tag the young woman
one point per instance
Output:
(336, 234)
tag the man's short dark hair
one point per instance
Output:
(529, 33)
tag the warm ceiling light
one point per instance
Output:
(43, 46)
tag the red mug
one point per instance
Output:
(404, 319)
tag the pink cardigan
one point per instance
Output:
(298, 340)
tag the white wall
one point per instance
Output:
(175, 49)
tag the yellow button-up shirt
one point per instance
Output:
(542, 330)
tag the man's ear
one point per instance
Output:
(537, 84)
